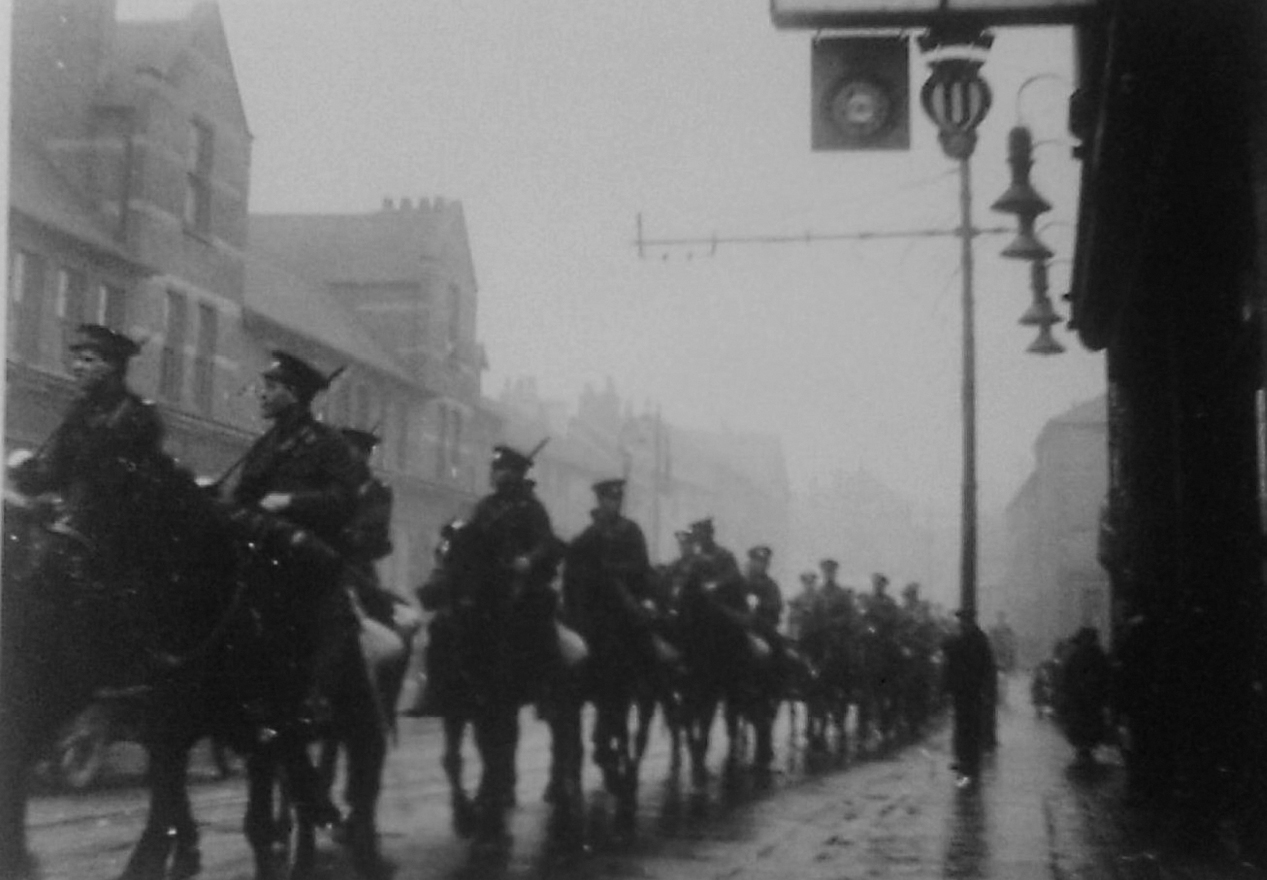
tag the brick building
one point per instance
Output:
(1054, 583)
(401, 297)
(129, 182)
(130, 174)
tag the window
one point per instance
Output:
(72, 307)
(455, 449)
(26, 293)
(198, 161)
(402, 437)
(171, 378)
(442, 440)
(112, 308)
(455, 315)
(205, 357)
(362, 407)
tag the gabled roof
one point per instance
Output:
(38, 190)
(279, 296)
(157, 45)
(382, 247)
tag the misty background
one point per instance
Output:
(557, 123)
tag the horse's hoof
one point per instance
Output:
(20, 867)
(464, 824)
(370, 864)
(491, 843)
(186, 863)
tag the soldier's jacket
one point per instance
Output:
(312, 463)
(516, 524)
(89, 459)
(367, 536)
(607, 574)
(769, 601)
(834, 611)
(883, 615)
(717, 566)
(800, 610)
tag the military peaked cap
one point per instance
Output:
(829, 563)
(610, 488)
(511, 459)
(296, 373)
(362, 440)
(761, 552)
(109, 344)
(702, 526)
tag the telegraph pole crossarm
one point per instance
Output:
(642, 243)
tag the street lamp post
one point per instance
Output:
(957, 99)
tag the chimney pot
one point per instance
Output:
(387, 204)
(406, 204)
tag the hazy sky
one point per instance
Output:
(555, 122)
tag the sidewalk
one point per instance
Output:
(901, 816)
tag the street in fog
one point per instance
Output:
(897, 815)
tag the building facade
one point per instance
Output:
(402, 282)
(129, 183)
(1054, 582)
(130, 178)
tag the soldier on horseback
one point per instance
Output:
(515, 608)
(766, 600)
(828, 637)
(108, 432)
(609, 597)
(301, 479)
(801, 606)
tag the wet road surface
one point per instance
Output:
(897, 815)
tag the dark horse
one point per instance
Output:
(722, 664)
(167, 595)
(501, 664)
(81, 613)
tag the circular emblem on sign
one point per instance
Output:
(859, 108)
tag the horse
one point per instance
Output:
(831, 691)
(878, 696)
(722, 667)
(167, 594)
(139, 595)
(496, 665)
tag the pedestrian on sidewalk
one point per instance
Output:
(1084, 703)
(970, 681)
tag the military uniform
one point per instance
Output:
(801, 610)
(311, 462)
(514, 524)
(367, 536)
(99, 464)
(607, 577)
(508, 632)
(315, 626)
(91, 460)
(768, 612)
